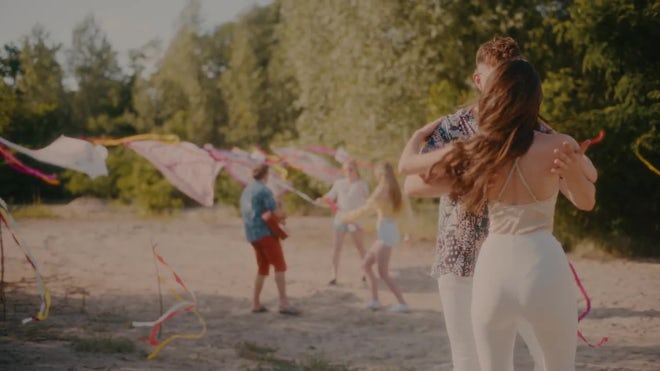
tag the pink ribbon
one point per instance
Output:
(604, 339)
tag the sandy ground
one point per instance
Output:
(104, 258)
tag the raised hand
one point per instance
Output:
(567, 159)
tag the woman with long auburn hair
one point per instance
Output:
(517, 171)
(388, 203)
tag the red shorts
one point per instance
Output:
(269, 251)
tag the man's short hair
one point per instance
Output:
(260, 171)
(498, 50)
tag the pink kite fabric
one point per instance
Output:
(69, 153)
(340, 155)
(309, 163)
(239, 165)
(189, 168)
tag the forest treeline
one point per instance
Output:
(358, 74)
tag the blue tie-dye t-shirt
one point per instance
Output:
(255, 200)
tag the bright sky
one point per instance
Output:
(128, 24)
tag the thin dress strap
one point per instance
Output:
(508, 179)
(524, 181)
(516, 168)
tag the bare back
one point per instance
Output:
(532, 181)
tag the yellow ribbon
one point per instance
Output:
(168, 138)
(648, 164)
(183, 304)
(191, 336)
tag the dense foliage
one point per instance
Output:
(360, 74)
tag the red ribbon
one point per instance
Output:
(598, 138)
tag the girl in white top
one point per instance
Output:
(522, 271)
(347, 193)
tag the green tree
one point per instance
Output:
(611, 81)
(9, 69)
(101, 89)
(386, 67)
(257, 86)
(181, 97)
(40, 91)
(34, 109)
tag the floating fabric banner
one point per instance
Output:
(189, 168)
(69, 153)
(183, 306)
(340, 155)
(239, 165)
(19, 166)
(272, 160)
(309, 163)
(10, 223)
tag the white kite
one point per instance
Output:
(69, 153)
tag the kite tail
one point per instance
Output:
(183, 306)
(9, 222)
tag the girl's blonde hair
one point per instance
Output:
(388, 180)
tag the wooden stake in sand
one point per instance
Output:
(160, 294)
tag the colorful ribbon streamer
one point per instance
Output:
(10, 223)
(168, 138)
(598, 138)
(646, 162)
(17, 165)
(603, 340)
(183, 306)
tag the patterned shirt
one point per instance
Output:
(255, 200)
(460, 232)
